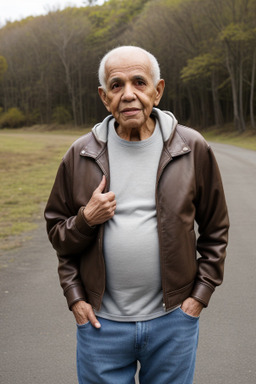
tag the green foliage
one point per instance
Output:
(3, 66)
(113, 17)
(13, 118)
(61, 115)
(33, 116)
(205, 49)
(237, 32)
(200, 66)
(174, 3)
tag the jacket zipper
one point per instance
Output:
(101, 230)
(101, 234)
(159, 233)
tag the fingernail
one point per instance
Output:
(97, 325)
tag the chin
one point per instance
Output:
(132, 124)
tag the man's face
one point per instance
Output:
(130, 92)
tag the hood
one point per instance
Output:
(167, 122)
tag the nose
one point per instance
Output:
(128, 93)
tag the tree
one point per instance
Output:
(90, 3)
(67, 34)
(252, 89)
(205, 67)
(231, 22)
(3, 66)
(206, 50)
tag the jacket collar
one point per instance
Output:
(174, 144)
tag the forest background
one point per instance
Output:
(206, 50)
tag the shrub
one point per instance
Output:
(3, 66)
(33, 117)
(61, 115)
(13, 118)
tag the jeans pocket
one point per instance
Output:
(85, 325)
(190, 317)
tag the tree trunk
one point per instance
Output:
(192, 117)
(230, 67)
(70, 90)
(80, 94)
(218, 116)
(241, 108)
(203, 113)
(252, 91)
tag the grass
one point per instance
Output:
(28, 165)
(29, 159)
(229, 136)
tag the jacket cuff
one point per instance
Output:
(202, 293)
(73, 294)
(82, 225)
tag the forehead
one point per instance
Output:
(128, 64)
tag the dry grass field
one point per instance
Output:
(28, 164)
(229, 136)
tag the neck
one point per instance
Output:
(136, 134)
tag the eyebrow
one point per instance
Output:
(114, 80)
(135, 77)
(139, 77)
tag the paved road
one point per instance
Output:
(37, 342)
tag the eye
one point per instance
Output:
(140, 83)
(115, 86)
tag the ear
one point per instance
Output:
(159, 91)
(103, 97)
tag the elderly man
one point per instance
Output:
(121, 217)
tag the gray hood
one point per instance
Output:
(167, 122)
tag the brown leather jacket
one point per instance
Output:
(188, 191)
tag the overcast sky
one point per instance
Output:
(18, 9)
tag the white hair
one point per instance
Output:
(155, 69)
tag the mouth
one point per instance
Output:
(130, 111)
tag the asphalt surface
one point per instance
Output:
(37, 342)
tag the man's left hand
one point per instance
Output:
(192, 307)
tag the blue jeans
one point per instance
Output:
(165, 347)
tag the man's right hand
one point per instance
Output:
(101, 207)
(84, 313)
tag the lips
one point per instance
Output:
(130, 111)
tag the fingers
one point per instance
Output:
(192, 307)
(83, 313)
(101, 206)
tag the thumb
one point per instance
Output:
(93, 320)
(102, 185)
